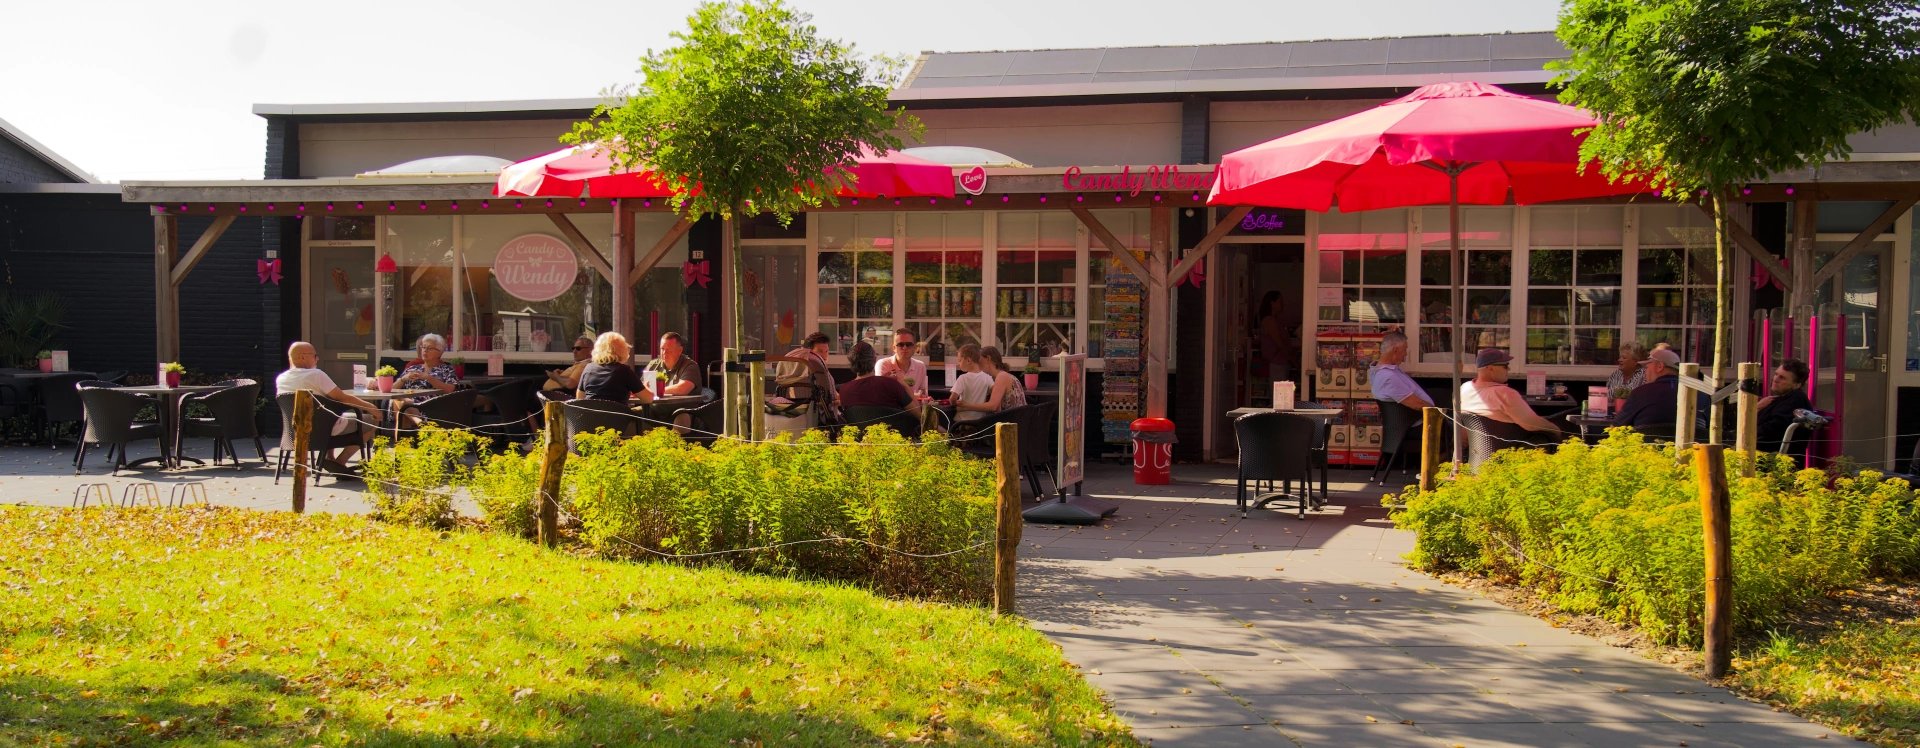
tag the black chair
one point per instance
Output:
(83, 421)
(117, 377)
(231, 418)
(451, 410)
(60, 404)
(590, 415)
(110, 420)
(1033, 423)
(905, 423)
(13, 399)
(320, 437)
(1486, 436)
(699, 423)
(1397, 422)
(1276, 447)
(512, 404)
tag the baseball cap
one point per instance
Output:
(1665, 356)
(1491, 356)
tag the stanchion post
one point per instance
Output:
(1746, 431)
(1686, 411)
(1006, 444)
(302, 423)
(551, 468)
(1709, 464)
(756, 385)
(730, 393)
(1432, 419)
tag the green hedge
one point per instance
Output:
(1614, 530)
(410, 482)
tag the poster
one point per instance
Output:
(1073, 419)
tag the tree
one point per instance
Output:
(1704, 96)
(751, 112)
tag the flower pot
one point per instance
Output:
(46, 366)
(1033, 381)
(1619, 404)
(384, 383)
(173, 379)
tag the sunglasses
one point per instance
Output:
(582, 347)
(908, 344)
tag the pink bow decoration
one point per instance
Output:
(695, 272)
(268, 270)
(1197, 276)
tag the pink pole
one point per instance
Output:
(1838, 429)
(1813, 381)
(653, 331)
(1766, 347)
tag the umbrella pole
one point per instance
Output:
(1459, 300)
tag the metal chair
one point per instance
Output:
(110, 420)
(699, 423)
(83, 421)
(232, 418)
(903, 422)
(1276, 447)
(1397, 421)
(1486, 436)
(1033, 424)
(320, 436)
(590, 415)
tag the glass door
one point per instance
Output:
(340, 298)
(772, 287)
(1851, 324)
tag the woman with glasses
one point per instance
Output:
(431, 372)
(902, 367)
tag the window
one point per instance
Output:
(526, 291)
(855, 276)
(419, 298)
(659, 296)
(1675, 296)
(1035, 274)
(1574, 284)
(1131, 228)
(945, 253)
(1363, 268)
(1486, 236)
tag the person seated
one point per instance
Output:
(902, 366)
(1388, 382)
(868, 388)
(1489, 395)
(303, 373)
(568, 379)
(812, 370)
(429, 372)
(683, 374)
(1654, 406)
(974, 384)
(1787, 392)
(609, 377)
(1628, 375)
(1006, 394)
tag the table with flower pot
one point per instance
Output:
(168, 406)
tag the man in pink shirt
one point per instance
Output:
(1489, 395)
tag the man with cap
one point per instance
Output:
(1652, 406)
(1488, 394)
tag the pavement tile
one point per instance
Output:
(1563, 706)
(1504, 736)
(1297, 681)
(1528, 680)
(1650, 734)
(1641, 680)
(1406, 681)
(1319, 709)
(1153, 684)
(1587, 656)
(1714, 706)
(1202, 710)
(1470, 657)
(1386, 735)
(1355, 658)
(1094, 659)
(1447, 708)
(1211, 737)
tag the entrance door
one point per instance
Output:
(1856, 294)
(773, 286)
(340, 299)
(1229, 355)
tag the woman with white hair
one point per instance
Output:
(431, 371)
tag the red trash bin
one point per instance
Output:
(1152, 451)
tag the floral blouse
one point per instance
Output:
(444, 372)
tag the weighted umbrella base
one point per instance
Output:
(1078, 510)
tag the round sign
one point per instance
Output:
(535, 267)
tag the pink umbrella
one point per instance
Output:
(1444, 144)
(588, 170)
(896, 174)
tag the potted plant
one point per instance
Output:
(459, 366)
(1620, 398)
(660, 383)
(1033, 374)
(173, 370)
(383, 378)
(46, 362)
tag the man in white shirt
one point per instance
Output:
(1488, 394)
(304, 374)
(1388, 382)
(902, 366)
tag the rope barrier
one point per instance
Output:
(832, 539)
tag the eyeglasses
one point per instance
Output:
(582, 347)
(907, 344)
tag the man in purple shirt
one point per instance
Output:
(1388, 382)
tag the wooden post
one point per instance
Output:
(730, 394)
(756, 410)
(1158, 340)
(1432, 419)
(302, 423)
(622, 280)
(1006, 445)
(1686, 411)
(166, 298)
(1710, 471)
(548, 512)
(1747, 428)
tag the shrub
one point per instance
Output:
(504, 485)
(410, 482)
(1614, 530)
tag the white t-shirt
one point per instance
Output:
(973, 387)
(311, 380)
(916, 370)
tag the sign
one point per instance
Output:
(60, 361)
(535, 267)
(1262, 220)
(1151, 179)
(1073, 419)
(974, 181)
(496, 365)
(1330, 296)
(1536, 384)
(1597, 401)
(360, 377)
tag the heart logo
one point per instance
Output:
(974, 180)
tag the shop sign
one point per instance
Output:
(535, 267)
(1151, 179)
(1262, 220)
(974, 180)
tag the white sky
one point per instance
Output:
(146, 90)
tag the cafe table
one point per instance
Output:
(382, 398)
(1320, 416)
(1590, 426)
(169, 410)
(659, 410)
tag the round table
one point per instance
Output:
(169, 407)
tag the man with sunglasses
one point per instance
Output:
(568, 379)
(902, 366)
(1489, 395)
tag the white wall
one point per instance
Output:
(346, 149)
(1099, 135)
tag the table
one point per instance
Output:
(32, 374)
(659, 411)
(1589, 425)
(1321, 416)
(169, 408)
(483, 381)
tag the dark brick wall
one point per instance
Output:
(19, 166)
(279, 313)
(1186, 391)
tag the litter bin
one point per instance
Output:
(1153, 441)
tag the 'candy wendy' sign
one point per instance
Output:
(535, 267)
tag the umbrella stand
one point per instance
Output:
(1457, 293)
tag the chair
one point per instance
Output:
(512, 403)
(907, 424)
(60, 403)
(1486, 436)
(1397, 422)
(85, 384)
(110, 420)
(13, 401)
(699, 423)
(1033, 425)
(1276, 447)
(320, 436)
(117, 377)
(590, 415)
(232, 418)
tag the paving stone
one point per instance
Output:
(1446, 708)
(1154, 684)
(1564, 706)
(1319, 709)
(1296, 681)
(1392, 735)
(1504, 736)
(1211, 737)
(1713, 706)
(1641, 680)
(1407, 681)
(1355, 658)
(1206, 710)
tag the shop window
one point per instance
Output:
(1574, 285)
(1362, 274)
(340, 228)
(660, 296)
(1486, 236)
(419, 298)
(525, 290)
(1674, 300)
(1034, 299)
(854, 272)
(944, 268)
(1099, 265)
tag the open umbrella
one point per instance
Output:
(1445, 144)
(588, 170)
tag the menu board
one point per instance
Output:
(1073, 419)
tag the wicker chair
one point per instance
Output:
(110, 420)
(1276, 447)
(320, 436)
(60, 404)
(1034, 425)
(1485, 436)
(449, 409)
(905, 423)
(232, 419)
(699, 423)
(1398, 423)
(512, 404)
(590, 415)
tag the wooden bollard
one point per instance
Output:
(551, 467)
(1746, 431)
(1432, 419)
(756, 410)
(1686, 411)
(1709, 463)
(1006, 444)
(729, 393)
(302, 423)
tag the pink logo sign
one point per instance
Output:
(535, 267)
(974, 180)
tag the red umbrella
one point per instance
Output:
(1444, 144)
(896, 174)
(588, 169)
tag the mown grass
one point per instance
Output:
(225, 627)
(1862, 678)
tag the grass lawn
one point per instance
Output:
(215, 627)
(1862, 677)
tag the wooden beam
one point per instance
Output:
(1806, 222)
(660, 248)
(623, 312)
(1213, 237)
(1867, 237)
(166, 302)
(200, 248)
(1751, 246)
(1159, 337)
(582, 246)
(1114, 248)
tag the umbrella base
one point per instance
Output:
(1079, 510)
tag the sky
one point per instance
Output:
(146, 91)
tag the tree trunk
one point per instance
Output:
(736, 259)
(1722, 330)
